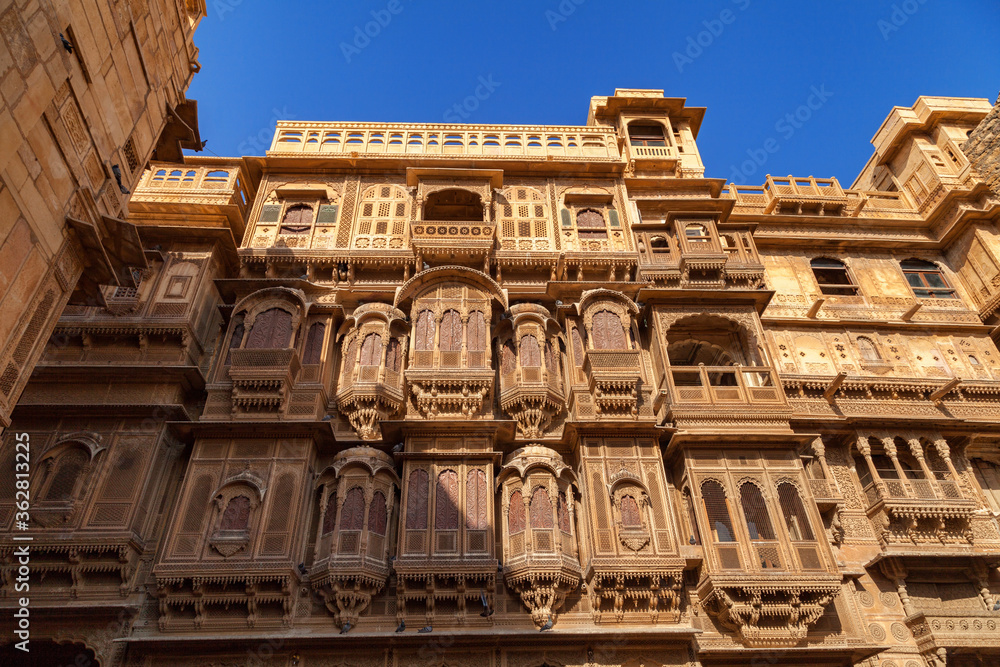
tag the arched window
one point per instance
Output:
(755, 512)
(794, 512)
(453, 205)
(530, 354)
(577, 346)
(353, 517)
(475, 500)
(696, 232)
(371, 350)
(562, 513)
(237, 514)
(646, 134)
(551, 357)
(540, 509)
(590, 225)
(446, 501)
(868, 350)
(349, 357)
(515, 517)
(416, 502)
(66, 472)
(631, 517)
(236, 339)
(608, 332)
(477, 332)
(423, 335)
(392, 355)
(451, 332)
(314, 344)
(926, 279)
(377, 514)
(717, 509)
(330, 517)
(832, 277)
(508, 358)
(272, 329)
(298, 220)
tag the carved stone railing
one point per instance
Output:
(913, 511)
(823, 197)
(532, 396)
(614, 377)
(471, 237)
(262, 378)
(192, 183)
(724, 385)
(445, 140)
(449, 392)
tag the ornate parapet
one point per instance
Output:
(768, 611)
(456, 589)
(74, 570)
(226, 600)
(959, 629)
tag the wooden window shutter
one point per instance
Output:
(477, 332)
(314, 344)
(577, 346)
(271, 330)
(354, 510)
(475, 500)
(515, 517)
(630, 513)
(608, 332)
(529, 352)
(392, 355)
(508, 358)
(237, 514)
(416, 501)
(446, 501)
(377, 514)
(236, 339)
(69, 467)
(424, 334)
(562, 513)
(540, 509)
(330, 518)
(371, 350)
(451, 332)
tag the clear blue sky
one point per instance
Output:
(749, 62)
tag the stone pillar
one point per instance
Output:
(890, 449)
(944, 451)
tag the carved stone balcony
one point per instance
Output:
(97, 568)
(443, 393)
(913, 511)
(532, 396)
(451, 238)
(959, 629)
(768, 610)
(262, 378)
(614, 377)
(373, 393)
(826, 494)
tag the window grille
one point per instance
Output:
(451, 332)
(832, 277)
(475, 500)
(717, 509)
(237, 514)
(354, 510)
(371, 350)
(272, 329)
(314, 344)
(926, 279)
(630, 513)
(515, 516)
(446, 501)
(377, 514)
(424, 333)
(794, 512)
(755, 511)
(416, 502)
(530, 354)
(540, 509)
(392, 355)
(68, 468)
(608, 332)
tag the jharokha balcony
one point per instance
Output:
(820, 196)
(262, 378)
(913, 492)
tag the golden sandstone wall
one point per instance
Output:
(512, 395)
(90, 90)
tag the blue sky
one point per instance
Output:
(750, 62)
